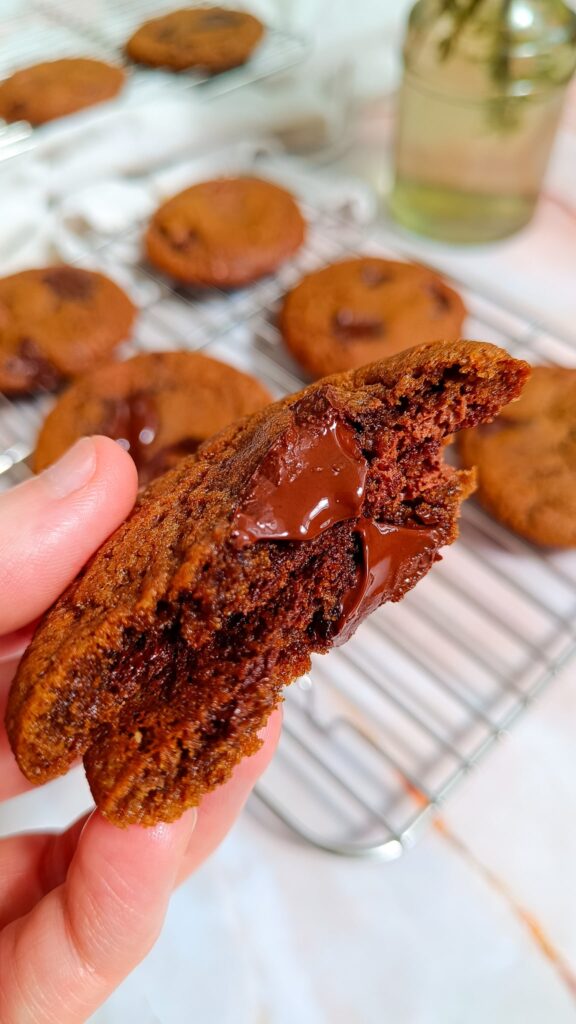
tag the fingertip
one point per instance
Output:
(52, 524)
(116, 472)
(86, 934)
(127, 846)
(119, 884)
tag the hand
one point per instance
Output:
(79, 910)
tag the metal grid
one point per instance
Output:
(49, 29)
(383, 728)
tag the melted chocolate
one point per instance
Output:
(133, 422)
(350, 324)
(313, 477)
(69, 283)
(388, 556)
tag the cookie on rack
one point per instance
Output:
(56, 323)
(358, 310)
(160, 664)
(160, 406)
(225, 233)
(209, 39)
(55, 88)
(526, 460)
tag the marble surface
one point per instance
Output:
(477, 922)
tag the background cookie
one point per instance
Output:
(225, 232)
(352, 312)
(211, 38)
(163, 405)
(526, 459)
(57, 87)
(55, 323)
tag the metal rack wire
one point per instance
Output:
(384, 728)
(51, 29)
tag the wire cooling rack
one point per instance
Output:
(382, 729)
(50, 29)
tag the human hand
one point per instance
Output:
(79, 910)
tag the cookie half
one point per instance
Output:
(55, 88)
(160, 407)
(56, 323)
(526, 459)
(353, 312)
(225, 232)
(207, 38)
(161, 663)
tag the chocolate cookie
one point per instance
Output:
(159, 406)
(209, 38)
(56, 323)
(353, 312)
(161, 662)
(526, 460)
(57, 87)
(225, 232)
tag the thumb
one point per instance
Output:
(50, 525)
(85, 936)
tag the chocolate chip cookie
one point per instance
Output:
(56, 323)
(225, 233)
(207, 38)
(353, 312)
(160, 407)
(58, 87)
(526, 460)
(160, 664)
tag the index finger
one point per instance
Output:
(49, 526)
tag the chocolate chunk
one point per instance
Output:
(166, 458)
(373, 276)
(180, 237)
(28, 362)
(351, 324)
(69, 283)
(218, 19)
(133, 422)
(441, 297)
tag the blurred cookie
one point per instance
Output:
(225, 232)
(160, 407)
(353, 312)
(56, 323)
(526, 459)
(211, 38)
(55, 88)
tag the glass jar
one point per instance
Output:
(481, 97)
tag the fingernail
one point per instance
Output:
(73, 470)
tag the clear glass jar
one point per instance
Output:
(482, 92)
